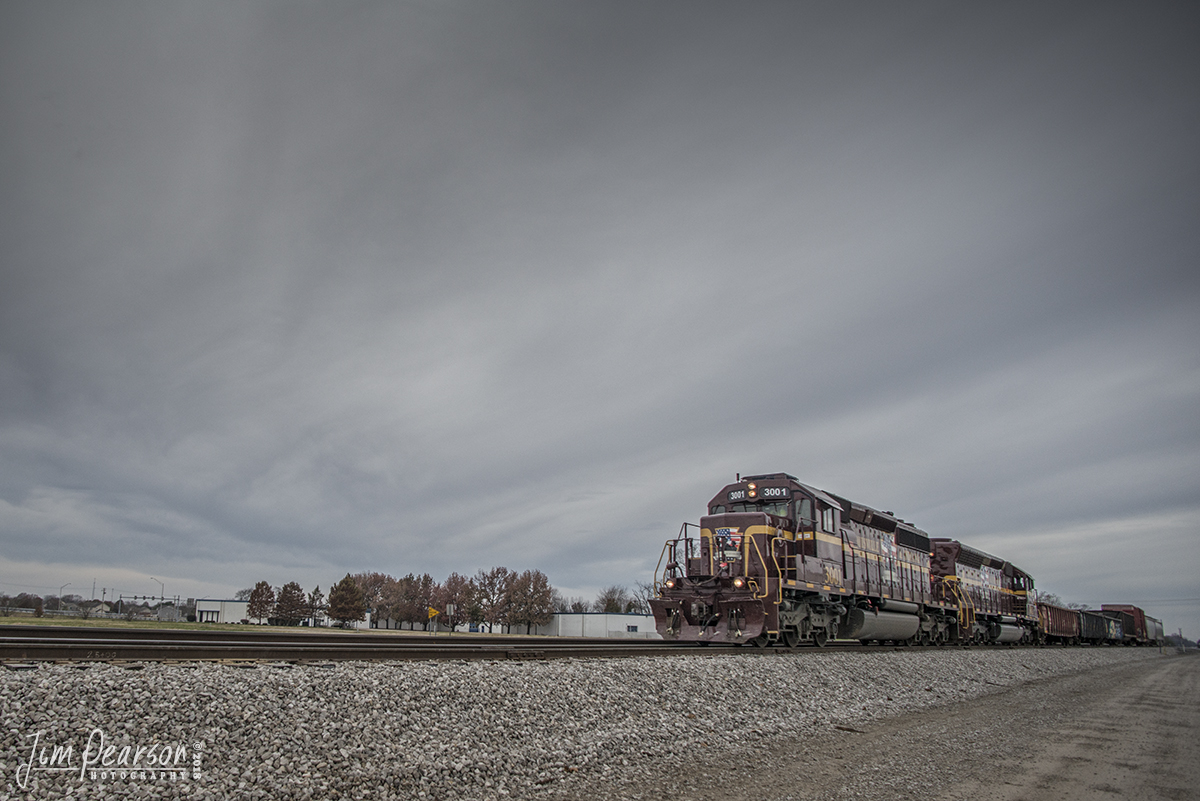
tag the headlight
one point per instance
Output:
(739, 582)
(669, 584)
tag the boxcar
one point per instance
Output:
(1138, 627)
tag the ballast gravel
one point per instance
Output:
(460, 730)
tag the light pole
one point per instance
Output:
(60, 589)
(161, 590)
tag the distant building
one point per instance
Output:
(601, 624)
(213, 610)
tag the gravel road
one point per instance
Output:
(807, 725)
(1126, 731)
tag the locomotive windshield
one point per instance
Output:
(779, 508)
(802, 506)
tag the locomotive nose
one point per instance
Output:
(709, 619)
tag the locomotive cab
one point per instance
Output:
(723, 585)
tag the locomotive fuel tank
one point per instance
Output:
(873, 624)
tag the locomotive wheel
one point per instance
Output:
(820, 638)
(791, 638)
(760, 641)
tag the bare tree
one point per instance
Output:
(643, 593)
(374, 586)
(492, 597)
(387, 603)
(531, 600)
(398, 599)
(424, 592)
(613, 600)
(454, 599)
(243, 595)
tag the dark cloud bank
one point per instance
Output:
(287, 291)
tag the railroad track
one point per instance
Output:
(87, 644)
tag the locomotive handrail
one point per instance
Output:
(763, 562)
(712, 548)
(966, 609)
(673, 546)
(668, 544)
(778, 569)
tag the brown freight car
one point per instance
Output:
(1058, 624)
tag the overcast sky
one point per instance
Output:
(290, 290)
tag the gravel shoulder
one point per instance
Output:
(1121, 730)
(801, 725)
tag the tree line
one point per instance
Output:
(495, 599)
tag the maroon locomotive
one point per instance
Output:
(776, 560)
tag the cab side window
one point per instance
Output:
(827, 519)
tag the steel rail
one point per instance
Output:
(25, 643)
(297, 634)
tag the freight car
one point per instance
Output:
(1059, 624)
(778, 561)
(1138, 627)
(1096, 629)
